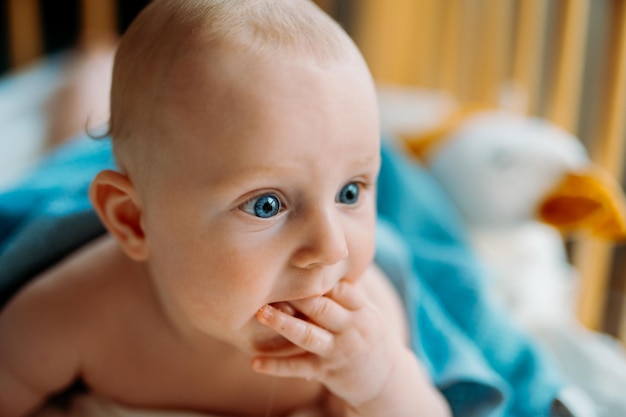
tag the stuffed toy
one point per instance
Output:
(522, 184)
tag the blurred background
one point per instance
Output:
(563, 60)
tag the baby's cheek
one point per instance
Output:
(362, 256)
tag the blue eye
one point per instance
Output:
(349, 194)
(264, 206)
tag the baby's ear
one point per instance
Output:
(116, 201)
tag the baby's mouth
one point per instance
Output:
(284, 307)
(273, 344)
(287, 308)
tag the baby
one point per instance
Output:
(237, 274)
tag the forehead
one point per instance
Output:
(233, 108)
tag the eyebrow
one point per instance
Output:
(368, 160)
(244, 177)
(278, 171)
(364, 161)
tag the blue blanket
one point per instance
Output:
(481, 363)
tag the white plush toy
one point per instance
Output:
(521, 183)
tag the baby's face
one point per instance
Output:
(263, 190)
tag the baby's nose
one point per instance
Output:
(323, 241)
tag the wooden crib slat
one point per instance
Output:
(565, 98)
(427, 49)
(99, 19)
(467, 46)
(386, 33)
(529, 46)
(25, 33)
(327, 5)
(450, 43)
(611, 153)
(594, 257)
(494, 41)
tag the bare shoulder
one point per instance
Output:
(43, 329)
(70, 286)
(382, 293)
(66, 302)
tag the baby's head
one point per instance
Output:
(174, 46)
(246, 132)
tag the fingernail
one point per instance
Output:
(265, 312)
(257, 364)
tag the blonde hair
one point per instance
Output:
(167, 28)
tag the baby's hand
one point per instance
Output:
(350, 350)
(345, 339)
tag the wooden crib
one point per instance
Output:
(565, 59)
